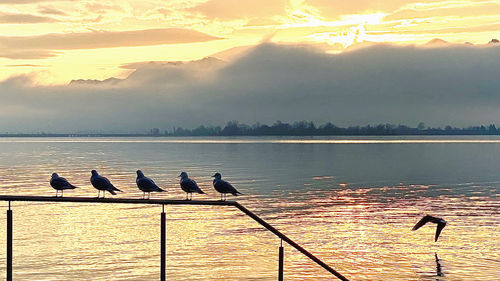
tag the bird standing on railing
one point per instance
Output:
(102, 183)
(439, 221)
(189, 186)
(223, 187)
(146, 185)
(60, 183)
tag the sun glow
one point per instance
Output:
(214, 26)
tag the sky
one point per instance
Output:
(125, 67)
(62, 40)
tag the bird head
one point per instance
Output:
(183, 175)
(94, 173)
(55, 175)
(140, 174)
(217, 176)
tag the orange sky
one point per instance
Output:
(60, 40)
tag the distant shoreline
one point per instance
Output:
(218, 136)
(281, 129)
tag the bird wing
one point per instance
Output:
(439, 228)
(61, 183)
(197, 188)
(147, 184)
(103, 183)
(189, 185)
(58, 182)
(423, 221)
(230, 188)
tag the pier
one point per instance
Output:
(160, 202)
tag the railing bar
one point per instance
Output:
(114, 200)
(163, 247)
(177, 202)
(289, 241)
(9, 244)
(281, 257)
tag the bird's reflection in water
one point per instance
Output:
(438, 267)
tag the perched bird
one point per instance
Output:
(223, 187)
(189, 186)
(439, 221)
(146, 185)
(102, 183)
(60, 183)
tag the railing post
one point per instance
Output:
(163, 245)
(280, 262)
(9, 244)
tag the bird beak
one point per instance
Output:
(179, 176)
(213, 176)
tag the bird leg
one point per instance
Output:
(98, 193)
(62, 193)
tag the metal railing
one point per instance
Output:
(162, 202)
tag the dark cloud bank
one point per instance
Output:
(457, 85)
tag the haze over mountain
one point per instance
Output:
(446, 84)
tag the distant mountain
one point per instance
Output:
(437, 42)
(166, 71)
(109, 81)
(233, 53)
(208, 62)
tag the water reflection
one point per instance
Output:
(438, 266)
(352, 205)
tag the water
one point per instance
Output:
(350, 201)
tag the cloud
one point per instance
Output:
(25, 65)
(104, 39)
(230, 9)
(335, 8)
(25, 54)
(453, 84)
(24, 18)
(476, 10)
(48, 10)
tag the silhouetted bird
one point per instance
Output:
(60, 183)
(146, 185)
(189, 186)
(223, 187)
(440, 224)
(102, 183)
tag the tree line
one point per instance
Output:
(308, 128)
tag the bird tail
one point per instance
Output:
(161, 190)
(73, 187)
(201, 192)
(237, 193)
(112, 192)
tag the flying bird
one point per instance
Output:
(146, 185)
(60, 183)
(189, 186)
(102, 183)
(223, 187)
(439, 221)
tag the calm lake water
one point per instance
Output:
(351, 201)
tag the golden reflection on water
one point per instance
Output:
(363, 232)
(361, 238)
